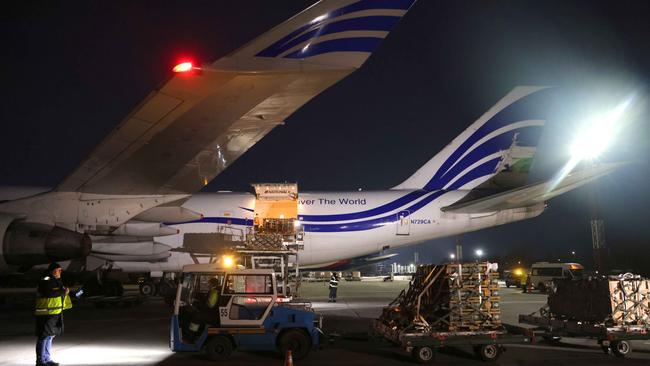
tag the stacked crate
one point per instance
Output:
(473, 296)
(264, 241)
(615, 300)
(448, 297)
(630, 300)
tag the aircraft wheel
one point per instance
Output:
(218, 348)
(423, 354)
(295, 340)
(148, 288)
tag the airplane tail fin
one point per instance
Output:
(330, 33)
(495, 153)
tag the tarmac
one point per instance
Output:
(139, 335)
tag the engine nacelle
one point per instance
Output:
(25, 244)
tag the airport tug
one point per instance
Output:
(219, 309)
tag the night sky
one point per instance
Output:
(72, 70)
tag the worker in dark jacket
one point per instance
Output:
(334, 284)
(51, 299)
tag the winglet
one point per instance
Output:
(329, 34)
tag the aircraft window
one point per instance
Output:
(249, 284)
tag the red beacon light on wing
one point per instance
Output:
(183, 67)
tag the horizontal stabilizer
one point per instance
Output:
(532, 194)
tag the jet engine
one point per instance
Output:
(25, 244)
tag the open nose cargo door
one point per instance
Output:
(275, 219)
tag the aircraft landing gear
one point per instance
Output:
(148, 288)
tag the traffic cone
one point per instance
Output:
(288, 359)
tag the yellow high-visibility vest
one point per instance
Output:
(52, 305)
(213, 296)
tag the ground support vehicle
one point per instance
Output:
(247, 314)
(422, 344)
(516, 278)
(614, 340)
(542, 274)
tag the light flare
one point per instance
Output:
(593, 139)
(183, 67)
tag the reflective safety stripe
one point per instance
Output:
(52, 305)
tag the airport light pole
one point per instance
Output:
(597, 232)
(595, 137)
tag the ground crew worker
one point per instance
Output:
(51, 299)
(213, 294)
(334, 284)
(207, 314)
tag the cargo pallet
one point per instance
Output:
(488, 345)
(613, 340)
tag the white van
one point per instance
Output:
(542, 274)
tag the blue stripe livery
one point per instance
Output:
(361, 44)
(372, 23)
(390, 206)
(374, 223)
(530, 107)
(321, 27)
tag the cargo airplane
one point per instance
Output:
(135, 197)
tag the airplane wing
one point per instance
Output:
(532, 194)
(193, 127)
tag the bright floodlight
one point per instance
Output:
(593, 139)
(597, 134)
(479, 252)
(452, 256)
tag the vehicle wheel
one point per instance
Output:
(148, 288)
(423, 354)
(218, 348)
(621, 348)
(488, 352)
(295, 340)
